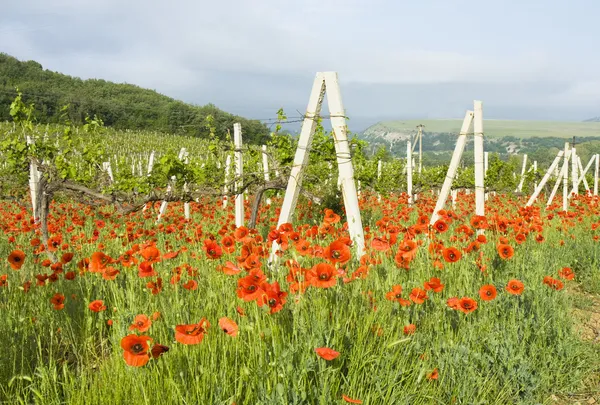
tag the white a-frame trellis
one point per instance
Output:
(474, 117)
(325, 83)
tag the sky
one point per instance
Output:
(396, 59)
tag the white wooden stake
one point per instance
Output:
(534, 174)
(186, 205)
(409, 171)
(479, 169)
(452, 169)
(239, 170)
(265, 167)
(150, 166)
(596, 173)
(226, 187)
(583, 172)
(379, 166)
(325, 82)
(574, 166)
(520, 186)
(566, 176)
(561, 175)
(164, 204)
(34, 184)
(539, 187)
(106, 166)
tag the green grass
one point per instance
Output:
(515, 349)
(498, 128)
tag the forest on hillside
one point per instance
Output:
(122, 106)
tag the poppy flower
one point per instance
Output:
(331, 217)
(145, 270)
(440, 226)
(327, 353)
(136, 350)
(58, 301)
(212, 249)
(97, 306)
(191, 285)
(157, 350)
(16, 259)
(467, 305)
(228, 326)
(380, 244)
(141, 323)
(337, 252)
(553, 283)
(150, 254)
(191, 334)
(434, 375)
(351, 400)
(515, 287)
(249, 288)
(434, 284)
(395, 294)
(451, 254)
(505, 251)
(406, 251)
(487, 292)
(322, 275)
(273, 297)
(418, 296)
(566, 273)
(453, 302)
(410, 329)
(98, 262)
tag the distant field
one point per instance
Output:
(499, 128)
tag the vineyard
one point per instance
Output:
(142, 267)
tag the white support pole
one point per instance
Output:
(452, 169)
(485, 161)
(186, 205)
(534, 174)
(409, 172)
(560, 178)
(107, 168)
(226, 187)
(34, 184)
(265, 167)
(479, 170)
(582, 174)
(164, 204)
(150, 166)
(379, 166)
(325, 82)
(454, 195)
(539, 187)
(420, 149)
(574, 166)
(520, 186)
(239, 170)
(596, 173)
(344, 159)
(566, 176)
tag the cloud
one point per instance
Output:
(426, 58)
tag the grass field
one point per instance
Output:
(497, 128)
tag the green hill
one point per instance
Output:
(122, 106)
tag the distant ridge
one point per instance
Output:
(595, 119)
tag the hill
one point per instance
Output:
(539, 139)
(122, 106)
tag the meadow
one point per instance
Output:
(191, 312)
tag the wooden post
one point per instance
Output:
(34, 185)
(106, 167)
(379, 177)
(574, 170)
(420, 148)
(186, 205)
(409, 171)
(325, 82)
(479, 170)
(539, 187)
(226, 187)
(534, 174)
(239, 171)
(452, 169)
(596, 173)
(566, 176)
(583, 172)
(520, 186)
(560, 178)
(265, 167)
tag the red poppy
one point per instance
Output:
(191, 285)
(487, 292)
(515, 287)
(410, 329)
(327, 353)
(395, 294)
(322, 275)
(16, 259)
(141, 323)
(145, 270)
(553, 283)
(157, 350)
(136, 350)
(273, 297)
(451, 254)
(97, 306)
(505, 251)
(440, 226)
(418, 296)
(434, 284)
(434, 375)
(58, 301)
(351, 400)
(566, 273)
(212, 249)
(337, 252)
(467, 305)
(191, 334)
(228, 326)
